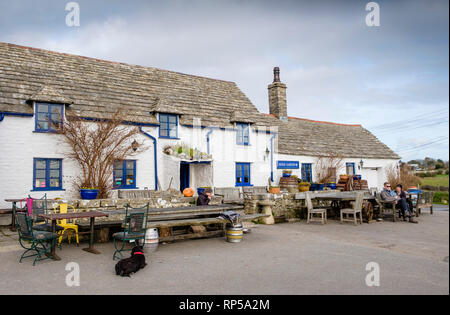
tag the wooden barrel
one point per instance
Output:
(234, 233)
(289, 183)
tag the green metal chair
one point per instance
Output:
(38, 242)
(39, 206)
(135, 225)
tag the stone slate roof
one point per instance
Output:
(96, 88)
(312, 138)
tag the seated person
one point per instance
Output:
(400, 203)
(404, 203)
(203, 198)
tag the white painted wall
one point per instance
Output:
(20, 144)
(373, 170)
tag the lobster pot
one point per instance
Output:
(151, 239)
(234, 233)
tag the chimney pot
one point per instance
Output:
(277, 96)
(276, 74)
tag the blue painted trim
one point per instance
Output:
(16, 114)
(242, 174)
(243, 131)
(352, 165)
(271, 157)
(155, 154)
(124, 176)
(47, 175)
(196, 162)
(2, 116)
(307, 172)
(168, 126)
(49, 112)
(207, 139)
(186, 181)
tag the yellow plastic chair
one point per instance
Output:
(66, 225)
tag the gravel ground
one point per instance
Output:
(289, 258)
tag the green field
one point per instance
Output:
(438, 180)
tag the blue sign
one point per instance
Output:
(287, 165)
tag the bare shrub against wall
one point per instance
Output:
(326, 167)
(95, 146)
(402, 175)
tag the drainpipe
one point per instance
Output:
(271, 157)
(207, 138)
(155, 154)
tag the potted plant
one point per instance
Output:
(88, 193)
(287, 173)
(331, 185)
(344, 176)
(304, 186)
(274, 190)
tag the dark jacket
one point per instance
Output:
(202, 199)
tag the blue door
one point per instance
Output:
(307, 172)
(184, 176)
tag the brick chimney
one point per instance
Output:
(277, 96)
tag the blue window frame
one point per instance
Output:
(350, 168)
(307, 172)
(124, 174)
(243, 174)
(242, 134)
(168, 126)
(47, 174)
(48, 117)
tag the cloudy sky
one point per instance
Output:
(392, 79)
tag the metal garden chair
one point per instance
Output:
(39, 206)
(38, 242)
(68, 225)
(135, 226)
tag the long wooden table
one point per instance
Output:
(74, 215)
(341, 199)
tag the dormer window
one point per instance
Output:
(242, 134)
(48, 117)
(168, 126)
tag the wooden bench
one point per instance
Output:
(170, 221)
(425, 200)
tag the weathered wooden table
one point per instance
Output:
(13, 211)
(339, 200)
(75, 215)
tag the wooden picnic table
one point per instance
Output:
(13, 211)
(74, 215)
